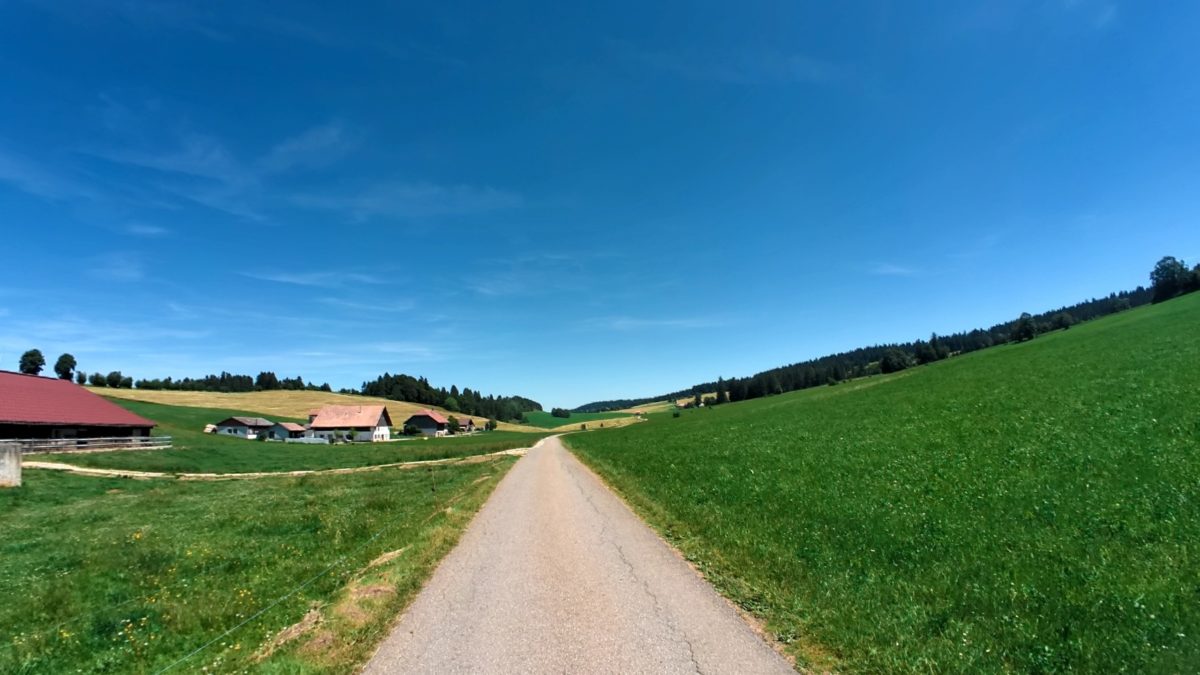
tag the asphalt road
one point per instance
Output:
(556, 575)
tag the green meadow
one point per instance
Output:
(1027, 508)
(194, 451)
(544, 420)
(112, 575)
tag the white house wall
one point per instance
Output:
(240, 432)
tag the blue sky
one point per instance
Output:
(576, 203)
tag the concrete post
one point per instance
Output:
(10, 465)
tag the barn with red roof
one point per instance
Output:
(43, 407)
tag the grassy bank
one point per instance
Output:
(197, 452)
(544, 420)
(132, 576)
(1028, 508)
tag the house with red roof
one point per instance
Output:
(429, 422)
(44, 407)
(359, 422)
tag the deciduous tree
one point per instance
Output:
(894, 360)
(32, 362)
(1170, 277)
(1025, 329)
(64, 367)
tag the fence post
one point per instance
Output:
(10, 465)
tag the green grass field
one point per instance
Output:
(1027, 508)
(111, 575)
(194, 451)
(544, 420)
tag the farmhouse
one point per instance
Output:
(429, 423)
(43, 407)
(244, 427)
(285, 430)
(362, 422)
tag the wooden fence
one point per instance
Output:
(77, 445)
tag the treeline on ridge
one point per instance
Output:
(411, 389)
(1170, 278)
(228, 383)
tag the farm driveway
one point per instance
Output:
(555, 574)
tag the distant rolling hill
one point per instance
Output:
(294, 404)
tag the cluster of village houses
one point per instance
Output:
(33, 407)
(337, 422)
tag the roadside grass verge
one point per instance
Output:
(111, 575)
(544, 420)
(1027, 508)
(194, 451)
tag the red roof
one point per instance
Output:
(29, 399)
(350, 416)
(436, 417)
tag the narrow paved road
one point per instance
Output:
(556, 575)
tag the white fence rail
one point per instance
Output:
(78, 445)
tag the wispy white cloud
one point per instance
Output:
(893, 270)
(227, 22)
(323, 34)
(360, 306)
(145, 230)
(980, 247)
(1097, 15)
(198, 155)
(117, 266)
(192, 167)
(630, 323)
(143, 14)
(402, 199)
(91, 335)
(201, 169)
(317, 279)
(535, 273)
(316, 147)
(407, 350)
(744, 67)
(36, 179)
(1105, 17)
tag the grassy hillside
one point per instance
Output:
(130, 576)
(657, 406)
(544, 420)
(273, 404)
(1028, 508)
(195, 451)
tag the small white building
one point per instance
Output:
(244, 427)
(359, 422)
